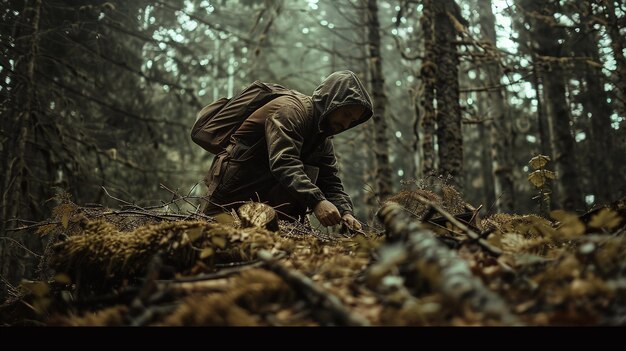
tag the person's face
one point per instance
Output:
(341, 118)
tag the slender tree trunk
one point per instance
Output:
(426, 93)
(486, 164)
(542, 120)
(594, 101)
(15, 189)
(449, 136)
(562, 141)
(500, 128)
(568, 189)
(617, 44)
(381, 149)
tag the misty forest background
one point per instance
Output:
(102, 95)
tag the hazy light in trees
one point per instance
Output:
(400, 172)
(313, 4)
(398, 134)
(305, 30)
(531, 139)
(615, 121)
(580, 136)
(189, 7)
(190, 25)
(589, 199)
(177, 37)
(503, 34)
(528, 90)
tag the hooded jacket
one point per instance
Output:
(294, 136)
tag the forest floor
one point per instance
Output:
(429, 260)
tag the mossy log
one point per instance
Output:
(327, 308)
(425, 254)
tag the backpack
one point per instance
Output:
(217, 121)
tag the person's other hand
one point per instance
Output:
(327, 213)
(351, 222)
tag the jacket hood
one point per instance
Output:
(340, 89)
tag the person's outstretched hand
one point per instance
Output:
(351, 222)
(327, 213)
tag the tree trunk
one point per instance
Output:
(618, 52)
(426, 94)
(449, 137)
(381, 141)
(486, 163)
(500, 128)
(15, 187)
(594, 100)
(617, 44)
(562, 141)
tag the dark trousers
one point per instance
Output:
(240, 175)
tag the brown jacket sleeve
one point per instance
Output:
(329, 182)
(285, 130)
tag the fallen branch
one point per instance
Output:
(494, 251)
(425, 253)
(225, 272)
(320, 300)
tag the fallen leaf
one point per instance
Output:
(570, 226)
(606, 218)
(194, 233)
(219, 241)
(65, 220)
(207, 252)
(62, 278)
(37, 288)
